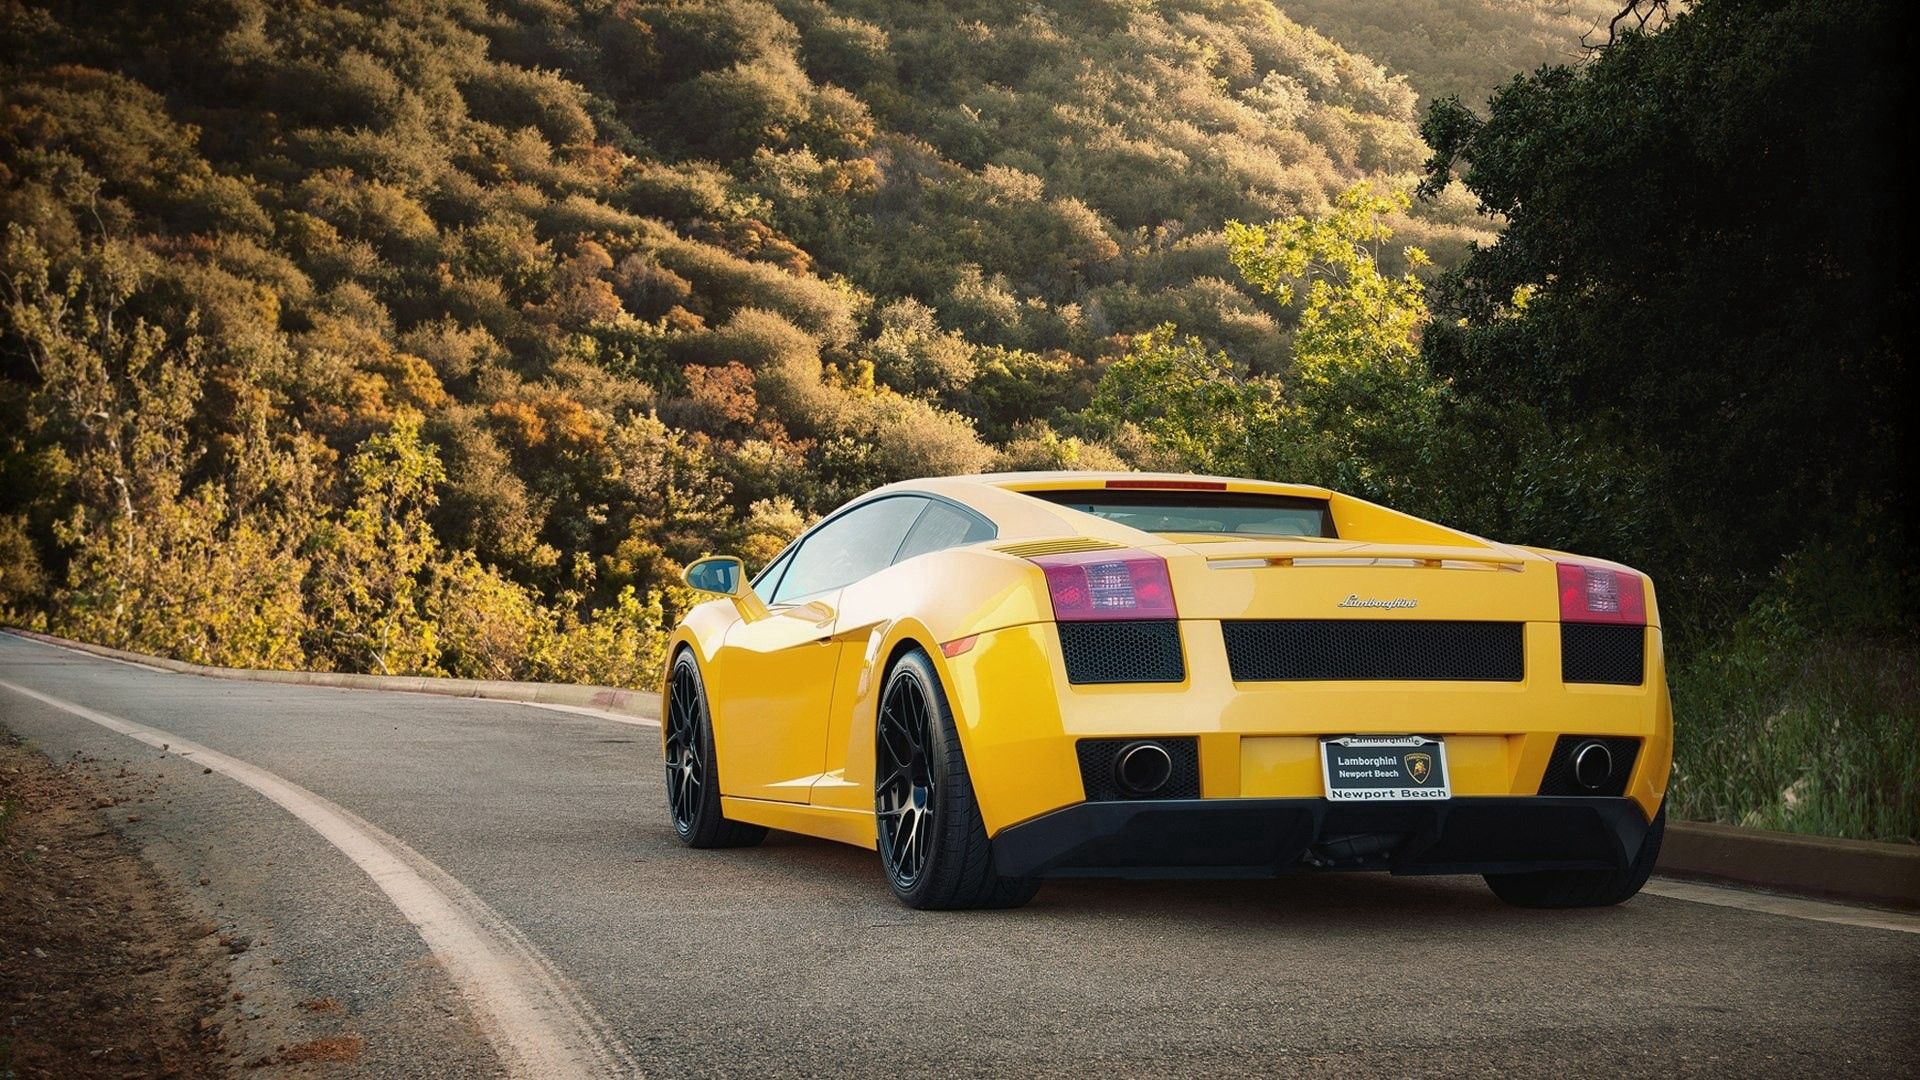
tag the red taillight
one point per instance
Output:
(1600, 594)
(1123, 584)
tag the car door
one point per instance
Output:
(774, 677)
(874, 602)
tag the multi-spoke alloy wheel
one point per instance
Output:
(932, 840)
(693, 773)
(683, 748)
(904, 795)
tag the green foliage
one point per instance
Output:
(370, 568)
(1352, 313)
(1786, 724)
(1036, 447)
(22, 581)
(1030, 170)
(1373, 413)
(1732, 332)
(1357, 409)
(1460, 48)
(911, 354)
(621, 644)
(1194, 404)
(1013, 387)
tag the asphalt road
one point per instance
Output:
(542, 837)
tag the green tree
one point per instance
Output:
(370, 568)
(1702, 266)
(1359, 410)
(1352, 314)
(1372, 409)
(1195, 405)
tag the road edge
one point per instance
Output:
(1859, 871)
(538, 1022)
(639, 704)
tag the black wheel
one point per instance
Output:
(933, 844)
(693, 774)
(1583, 888)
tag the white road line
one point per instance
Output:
(1791, 906)
(537, 1022)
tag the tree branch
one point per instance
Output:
(1635, 18)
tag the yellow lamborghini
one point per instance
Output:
(998, 679)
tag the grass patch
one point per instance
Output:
(1777, 728)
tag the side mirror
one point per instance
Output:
(722, 574)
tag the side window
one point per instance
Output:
(848, 548)
(769, 578)
(943, 526)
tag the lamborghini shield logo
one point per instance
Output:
(1419, 767)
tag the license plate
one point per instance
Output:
(1389, 768)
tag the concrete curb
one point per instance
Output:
(640, 704)
(1857, 870)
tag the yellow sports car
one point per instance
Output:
(998, 679)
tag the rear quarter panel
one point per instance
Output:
(921, 603)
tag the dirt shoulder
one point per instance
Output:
(104, 971)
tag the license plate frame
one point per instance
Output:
(1392, 766)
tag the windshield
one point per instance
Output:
(1242, 512)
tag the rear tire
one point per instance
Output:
(933, 843)
(693, 769)
(1583, 888)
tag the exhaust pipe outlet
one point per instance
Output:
(1142, 768)
(1592, 765)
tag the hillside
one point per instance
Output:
(1463, 48)
(407, 336)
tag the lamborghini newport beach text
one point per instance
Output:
(998, 679)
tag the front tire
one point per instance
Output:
(933, 843)
(1584, 888)
(693, 770)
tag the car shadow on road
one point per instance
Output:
(1301, 901)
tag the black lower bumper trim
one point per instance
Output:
(1268, 837)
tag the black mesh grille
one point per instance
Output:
(1096, 768)
(1140, 650)
(1597, 653)
(1559, 779)
(1286, 649)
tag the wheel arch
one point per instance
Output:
(899, 638)
(700, 634)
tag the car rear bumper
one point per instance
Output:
(1021, 722)
(1268, 837)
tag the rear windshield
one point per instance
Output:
(1241, 512)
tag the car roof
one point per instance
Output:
(1069, 479)
(1000, 497)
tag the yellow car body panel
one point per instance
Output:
(793, 693)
